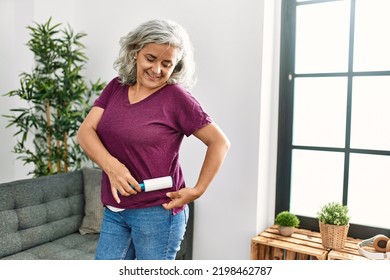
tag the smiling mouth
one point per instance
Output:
(154, 77)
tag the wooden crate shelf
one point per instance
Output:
(350, 252)
(301, 245)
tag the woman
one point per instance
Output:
(134, 132)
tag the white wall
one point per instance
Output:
(235, 53)
(13, 57)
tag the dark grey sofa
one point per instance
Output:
(57, 217)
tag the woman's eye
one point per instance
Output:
(165, 64)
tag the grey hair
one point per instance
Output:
(157, 31)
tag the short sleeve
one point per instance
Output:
(106, 94)
(190, 114)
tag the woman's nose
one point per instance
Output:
(156, 68)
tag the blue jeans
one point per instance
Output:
(151, 233)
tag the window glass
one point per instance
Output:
(320, 111)
(321, 43)
(372, 44)
(369, 191)
(370, 113)
(316, 178)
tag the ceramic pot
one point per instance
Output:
(286, 231)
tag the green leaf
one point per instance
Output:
(56, 76)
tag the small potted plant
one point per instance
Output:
(287, 223)
(334, 225)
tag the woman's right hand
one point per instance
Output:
(121, 180)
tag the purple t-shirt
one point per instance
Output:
(146, 137)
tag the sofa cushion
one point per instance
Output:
(70, 247)
(93, 209)
(39, 210)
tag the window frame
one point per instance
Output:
(285, 123)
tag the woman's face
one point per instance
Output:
(155, 64)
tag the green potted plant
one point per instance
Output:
(287, 222)
(334, 224)
(57, 100)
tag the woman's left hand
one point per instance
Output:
(217, 146)
(181, 197)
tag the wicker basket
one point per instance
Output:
(332, 236)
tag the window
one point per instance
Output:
(334, 111)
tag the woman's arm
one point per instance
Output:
(119, 176)
(217, 148)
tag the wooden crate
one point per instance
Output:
(301, 245)
(350, 252)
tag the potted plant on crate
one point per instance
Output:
(287, 223)
(334, 225)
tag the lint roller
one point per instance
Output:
(156, 184)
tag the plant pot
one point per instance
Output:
(286, 231)
(332, 236)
